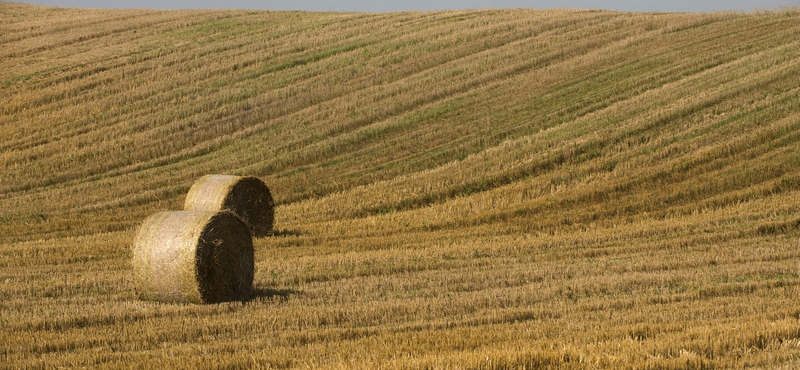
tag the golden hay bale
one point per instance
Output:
(248, 197)
(192, 256)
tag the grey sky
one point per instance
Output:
(383, 6)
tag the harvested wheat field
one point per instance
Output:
(485, 189)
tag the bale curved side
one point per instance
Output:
(248, 197)
(193, 257)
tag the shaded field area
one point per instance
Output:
(484, 189)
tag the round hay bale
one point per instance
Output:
(248, 197)
(195, 257)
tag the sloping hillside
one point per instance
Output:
(463, 189)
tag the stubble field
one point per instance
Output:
(485, 189)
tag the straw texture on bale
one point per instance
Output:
(193, 257)
(248, 197)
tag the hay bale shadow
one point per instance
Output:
(284, 232)
(269, 294)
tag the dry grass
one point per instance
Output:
(466, 189)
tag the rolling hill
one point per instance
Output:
(482, 189)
